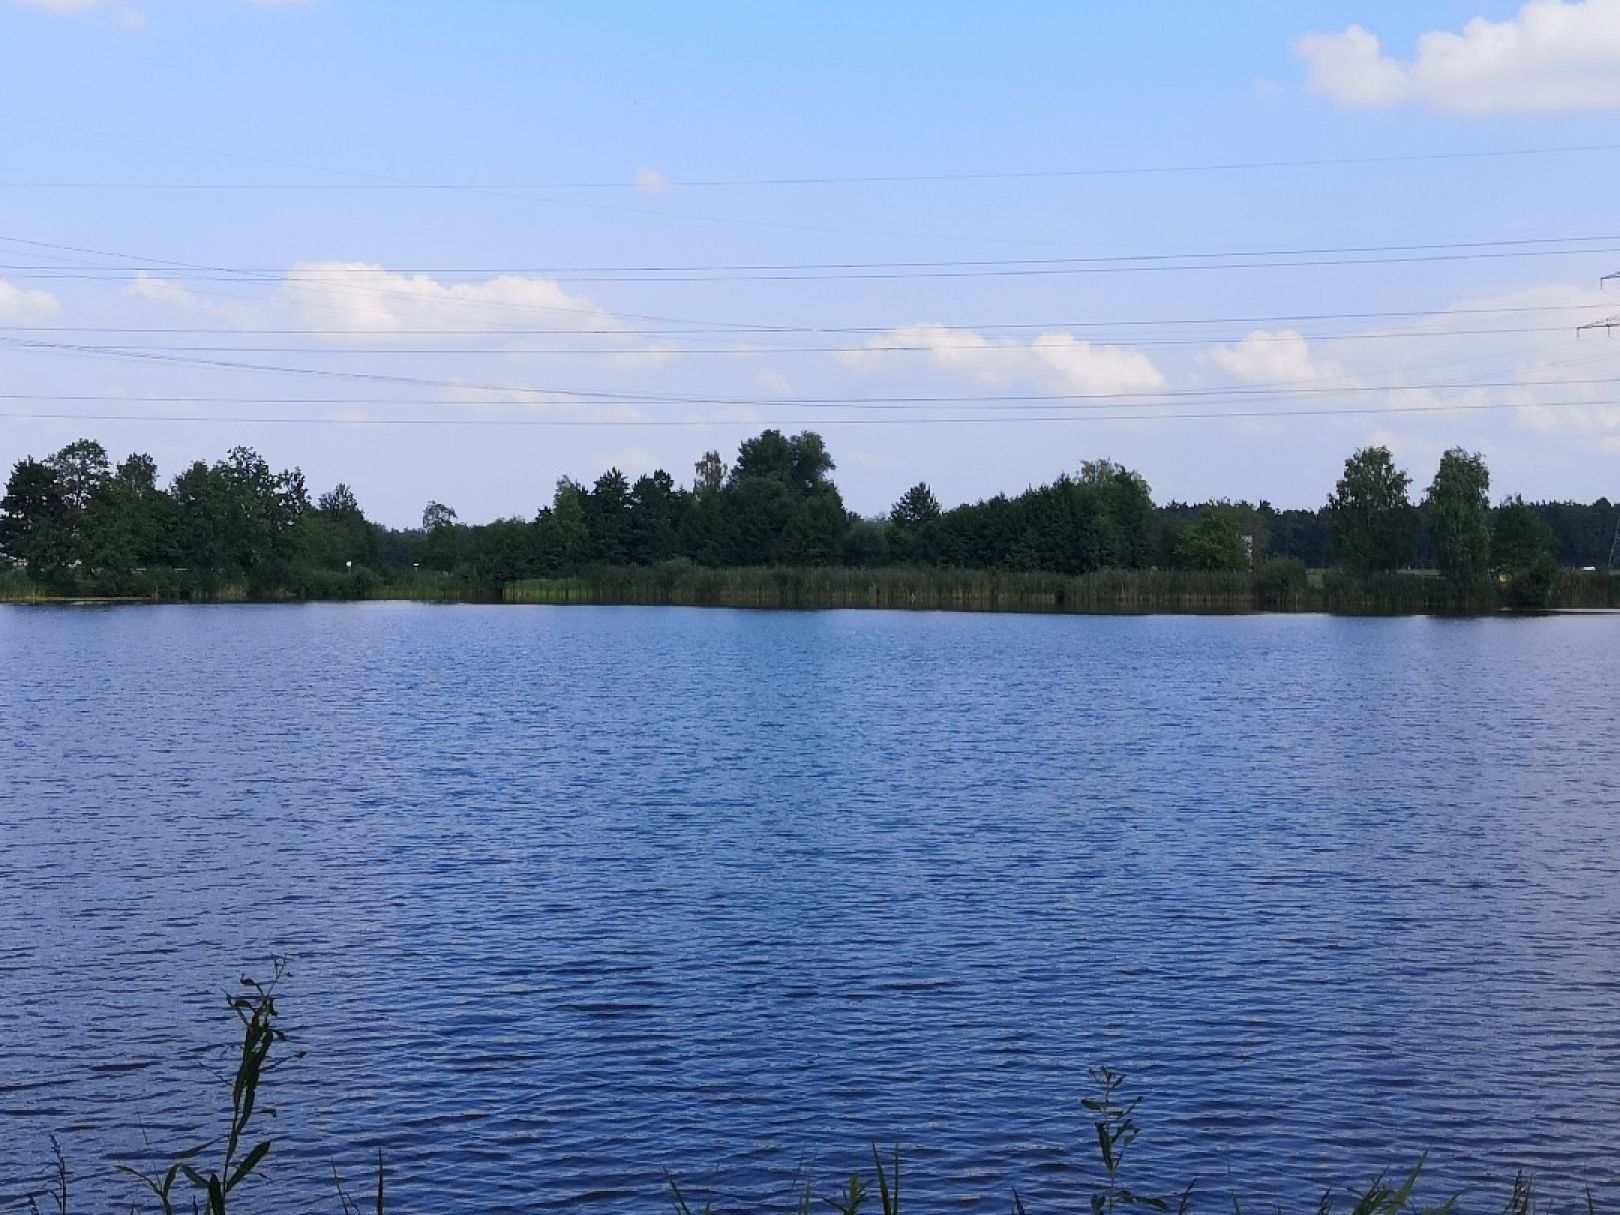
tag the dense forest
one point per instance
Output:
(75, 523)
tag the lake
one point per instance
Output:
(572, 896)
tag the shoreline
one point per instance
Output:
(897, 588)
(93, 601)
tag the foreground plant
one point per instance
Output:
(255, 1008)
(1116, 1132)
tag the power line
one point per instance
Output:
(1369, 255)
(771, 330)
(415, 297)
(530, 390)
(807, 180)
(820, 421)
(963, 263)
(1146, 397)
(760, 351)
(374, 179)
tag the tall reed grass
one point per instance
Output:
(1281, 585)
(15, 587)
(913, 587)
(1587, 589)
(1277, 586)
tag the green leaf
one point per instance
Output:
(242, 1170)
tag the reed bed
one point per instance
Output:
(16, 588)
(901, 587)
(1587, 589)
(1282, 585)
(1400, 594)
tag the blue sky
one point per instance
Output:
(245, 182)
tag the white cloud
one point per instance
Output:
(654, 355)
(874, 460)
(773, 383)
(22, 304)
(1515, 357)
(1268, 357)
(516, 402)
(1060, 360)
(1572, 420)
(633, 462)
(707, 420)
(72, 8)
(101, 10)
(121, 14)
(1538, 361)
(1553, 55)
(650, 181)
(1412, 451)
(357, 298)
(159, 291)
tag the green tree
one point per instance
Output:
(437, 514)
(237, 515)
(108, 540)
(83, 472)
(1459, 508)
(655, 508)
(800, 463)
(702, 532)
(915, 519)
(1521, 554)
(917, 507)
(440, 548)
(779, 504)
(336, 533)
(1121, 505)
(1374, 523)
(866, 544)
(134, 495)
(711, 473)
(340, 505)
(815, 534)
(1218, 540)
(138, 471)
(563, 535)
(34, 518)
(758, 510)
(504, 551)
(81, 469)
(607, 518)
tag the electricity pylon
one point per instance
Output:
(1609, 323)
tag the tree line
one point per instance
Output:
(74, 521)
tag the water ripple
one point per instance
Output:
(574, 896)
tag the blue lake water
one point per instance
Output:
(574, 896)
